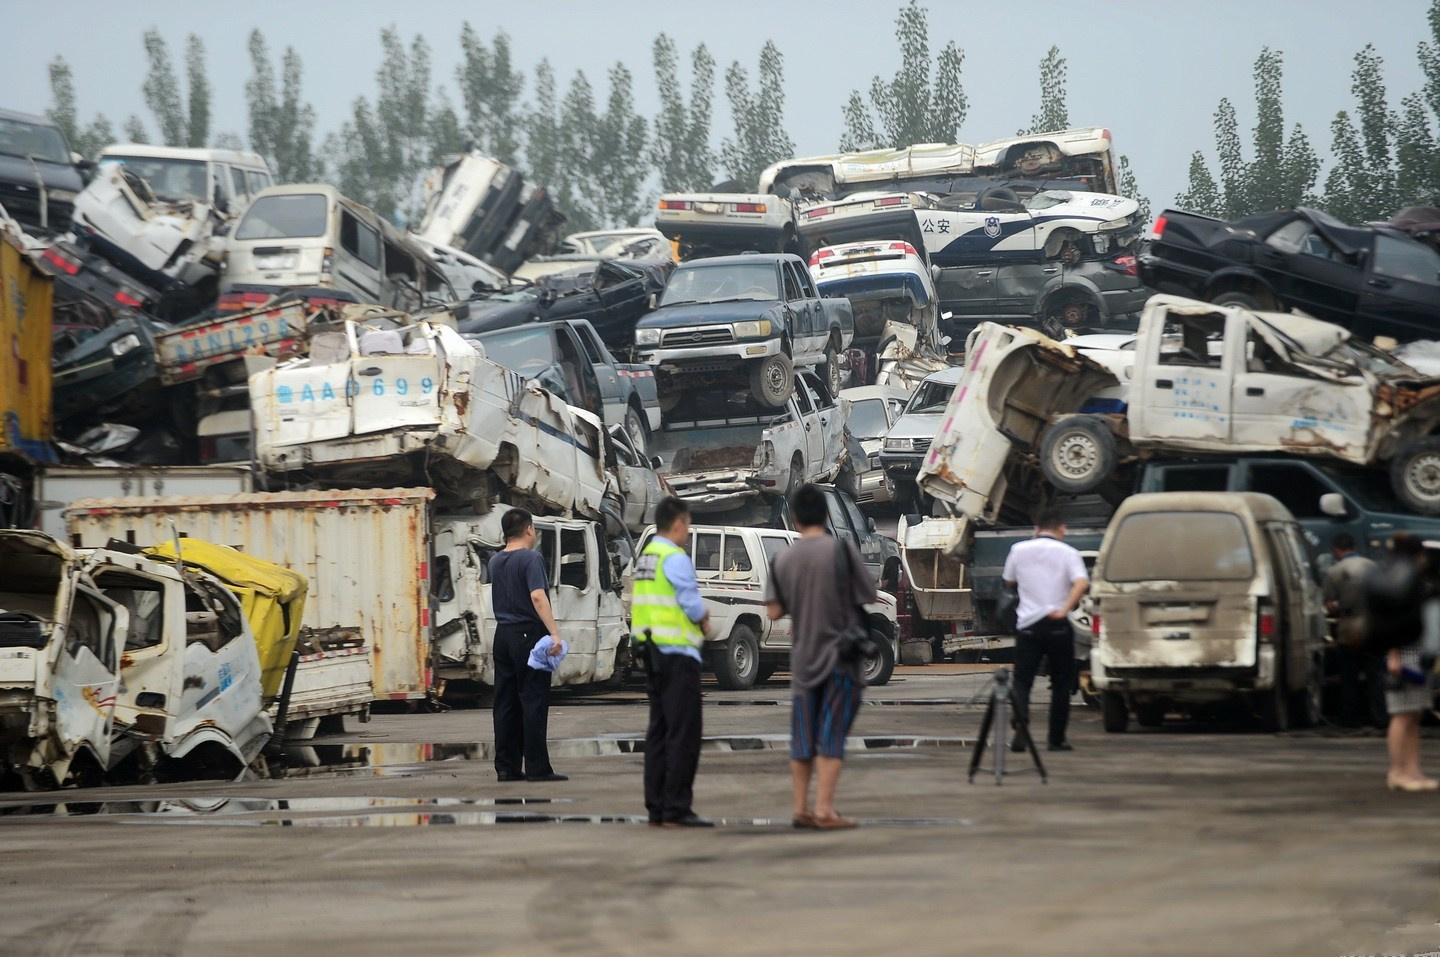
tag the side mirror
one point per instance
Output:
(656, 462)
(654, 301)
(870, 524)
(1333, 504)
(935, 273)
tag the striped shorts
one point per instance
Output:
(820, 718)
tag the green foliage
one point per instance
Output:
(1283, 171)
(759, 138)
(1054, 113)
(162, 92)
(544, 137)
(911, 107)
(681, 152)
(90, 140)
(135, 131)
(197, 123)
(281, 124)
(1129, 186)
(490, 91)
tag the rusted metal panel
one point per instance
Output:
(26, 300)
(365, 552)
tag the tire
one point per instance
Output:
(1306, 705)
(830, 369)
(797, 476)
(638, 429)
(668, 401)
(772, 380)
(1150, 715)
(738, 664)
(1114, 712)
(877, 668)
(1261, 302)
(1078, 454)
(765, 673)
(1415, 475)
(1274, 705)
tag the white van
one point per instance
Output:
(226, 179)
(309, 236)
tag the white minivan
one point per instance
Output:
(309, 236)
(226, 179)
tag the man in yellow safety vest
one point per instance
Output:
(668, 612)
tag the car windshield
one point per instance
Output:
(867, 419)
(526, 351)
(931, 398)
(723, 283)
(292, 216)
(18, 138)
(173, 180)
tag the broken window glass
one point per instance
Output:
(1195, 341)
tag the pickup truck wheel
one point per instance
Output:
(1306, 703)
(797, 476)
(1114, 711)
(772, 380)
(638, 430)
(877, 668)
(738, 663)
(1415, 475)
(765, 673)
(1078, 454)
(1259, 302)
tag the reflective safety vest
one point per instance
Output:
(654, 605)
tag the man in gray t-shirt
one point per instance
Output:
(825, 691)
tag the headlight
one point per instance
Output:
(899, 445)
(647, 337)
(1114, 224)
(125, 344)
(752, 330)
(64, 195)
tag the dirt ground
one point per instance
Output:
(399, 840)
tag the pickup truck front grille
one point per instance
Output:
(922, 446)
(682, 338)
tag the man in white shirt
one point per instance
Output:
(1051, 579)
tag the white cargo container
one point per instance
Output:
(57, 486)
(365, 552)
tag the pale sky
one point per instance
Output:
(1150, 70)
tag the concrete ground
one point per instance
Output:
(1179, 840)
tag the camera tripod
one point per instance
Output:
(996, 720)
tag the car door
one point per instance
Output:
(1308, 272)
(607, 379)
(87, 672)
(357, 259)
(829, 426)
(574, 595)
(967, 290)
(868, 542)
(1185, 397)
(1402, 290)
(1299, 486)
(810, 435)
(803, 335)
(780, 633)
(1277, 405)
(639, 484)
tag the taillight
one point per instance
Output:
(748, 207)
(820, 254)
(1095, 624)
(1159, 228)
(1265, 624)
(905, 248)
(326, 262)
(817, 212)
(1126, 264)
(893, 201)
(674, 204)
(125, 299)
(61, 262)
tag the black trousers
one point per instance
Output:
(1054, 642)
(672, 740)
(522, 703)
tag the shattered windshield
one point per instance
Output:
(867, 419)
(18, 138)
(527, 351)
(723, 283)
(172, 180)
(292, 216)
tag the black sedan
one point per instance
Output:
(1374, 280)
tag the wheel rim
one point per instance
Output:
(775, 378)
(1422, 476)
(1072, 314)
(871, 669)
(1076, 456)
(741, 658)
(635, 430)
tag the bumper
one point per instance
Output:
(682, 358)
(1124, 302)
(873, 488)
(901, 467)
(1184, 683)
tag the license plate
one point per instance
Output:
(286, 261)
(709, 207)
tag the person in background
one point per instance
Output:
(1051, 579)
(519, 593)
(1410, 693)
(668, 612)
(825, 691)
(1343, 593)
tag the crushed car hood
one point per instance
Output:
(701, 313)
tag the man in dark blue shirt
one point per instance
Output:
(518, 591)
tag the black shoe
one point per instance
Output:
(508, 776)
(1017, 744)
(690, 820)
(1062, 746)
(552, 776)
